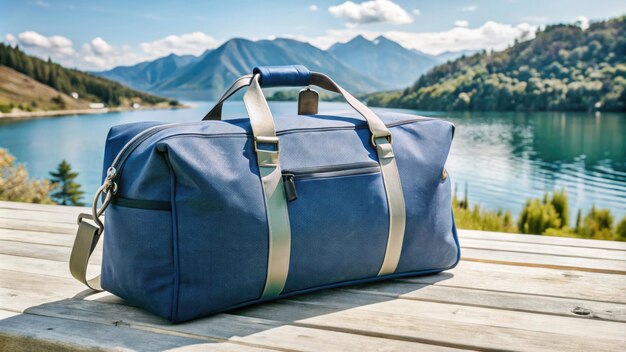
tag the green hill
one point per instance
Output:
(563, 68)
(67, 81)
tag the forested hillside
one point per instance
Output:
(563, 68)
(88, 87)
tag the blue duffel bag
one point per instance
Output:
(207, 216)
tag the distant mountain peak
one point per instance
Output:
(359, 37)
(384, 59)
(381, 39)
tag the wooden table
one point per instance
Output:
(510, 292)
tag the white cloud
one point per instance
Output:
(461, 23)
(416, 12)
(100, 46)
(190, 43)
(470, 8)
(55, 44)
(491, 35)
(98, 54)
(582, 22)
(10, 38)
(312, 8)
(371, 11)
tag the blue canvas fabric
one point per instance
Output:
(209, 251)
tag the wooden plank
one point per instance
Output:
(20, 290)
(560, 251)
(52, 208)
(53, 239)
(41, 216)
(578, 308)
(41, 251)
(17, 292)
(455, 328)
(26, 332)
(466, 314)
(47, 267)
(538, 239)
(608, 266)
(245, 330)
(38, 226)
(530, 280)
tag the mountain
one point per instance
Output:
(384, 59)
(563, 68)
(144, 75)
(236, 57)
(20, 91)
(65, 81)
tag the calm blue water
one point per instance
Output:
(504, 158)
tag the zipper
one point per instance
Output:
(291, 176)
(116, 167)
(142, 204)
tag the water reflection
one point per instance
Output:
(508, 157)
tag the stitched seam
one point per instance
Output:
(176, 266)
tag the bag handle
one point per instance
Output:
(294, 76)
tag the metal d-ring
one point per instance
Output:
(109, 188)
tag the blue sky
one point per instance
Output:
(103, 34)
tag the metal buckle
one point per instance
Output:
(265, 140)
(373, 139)
(109, 188)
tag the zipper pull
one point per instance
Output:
(290, 187)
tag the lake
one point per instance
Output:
(503, 158)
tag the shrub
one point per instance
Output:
(5, 108)
(559, 202)
(620, 231)
(15, 184)
(537, 217)
(478, 219)
(597, 224)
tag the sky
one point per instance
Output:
(99, 35)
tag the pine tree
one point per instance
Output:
(67, 191)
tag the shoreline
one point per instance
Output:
(30, 115)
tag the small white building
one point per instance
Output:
(74, 95)
(96, 105)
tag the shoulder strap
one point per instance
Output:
(85, 242)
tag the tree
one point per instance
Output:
(68, 192)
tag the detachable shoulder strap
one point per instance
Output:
(84, 244)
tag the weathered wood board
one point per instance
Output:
(510, 292)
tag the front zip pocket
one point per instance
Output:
(291, 176)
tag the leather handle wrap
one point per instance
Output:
(283, 76)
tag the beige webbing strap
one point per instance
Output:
(216, 112)
(273, 190)
(84, 244)
(395, 201)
